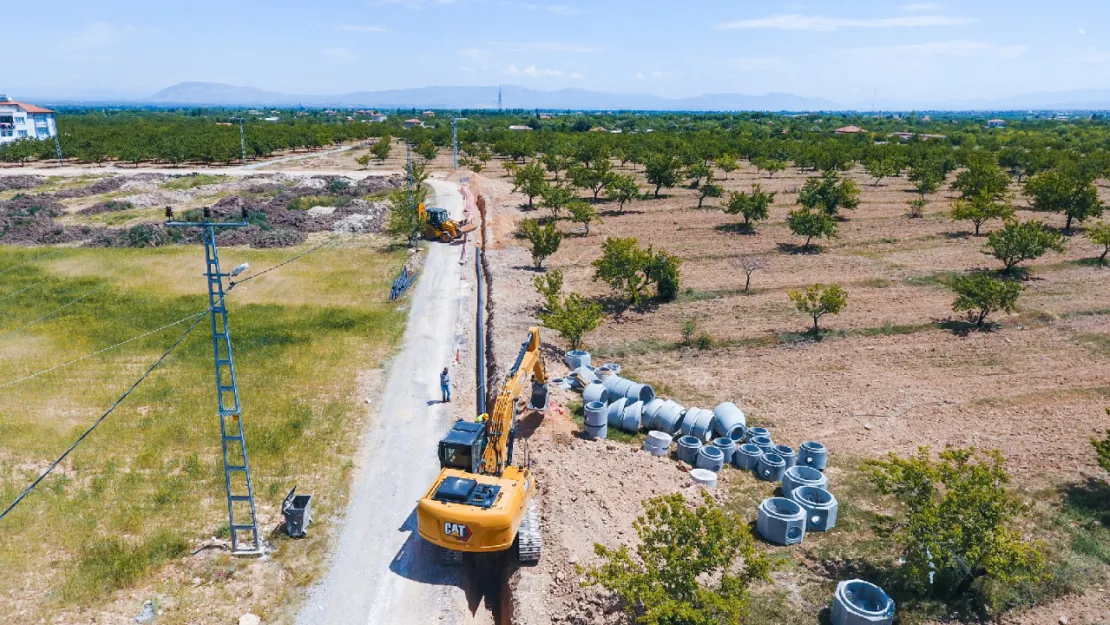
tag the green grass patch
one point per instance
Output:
(575, 408)
(111, 564)
(185, 183)
(306, 202)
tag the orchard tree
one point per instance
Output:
(1099, 234)
(727, 163)
(770, 165)
(555, 198)
(622, 188)
(820, 300)
(364, 160)
(556, 162)
(811, 224)
(531, 181)
(695, 173)
(960, 523)
(1065, 192)
(543, 239)
(981, 209)
(627, 267)
(593, 177)
(427, 150)
(662, 170)
(693, 565)
(749, 265)
(926, 177)
(572, 317)
(584, 213)
(1021, 241)
(1102, 449)
(829, 194)
(711, 190)
(980, 294)
(402, 221)
(382, 148)
(879, 168)
(754, 206)
(549, 285)
(982, 177)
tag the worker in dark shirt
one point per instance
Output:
(445, 385)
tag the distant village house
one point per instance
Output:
(19, 120)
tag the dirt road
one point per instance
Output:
(248, 170)
(382, 572)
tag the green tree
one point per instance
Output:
(1102, 449)
(695, 173)
(364, 160)
(543, 239)
(809, 224)
(879, 168)
(692, 566)
(402, 221)
(661, 170)
(711, 190)
(628, 268)
(829, 194)
(555, 198)
(427, 150)
(584, 213)
(382, 148)
(981, 209)
(770, 165)
(662, 271)
(622, 188)
(1064, 192)
(531, 181)
(594, 177)
(926, 177)
(572, 317)
(819, 300)
(980, 294)
(555, 162)
(982, 177)
(549, 285)
(1099, 234)
(960, 521)
(1022, 241)
(727, 163)
(754, 206)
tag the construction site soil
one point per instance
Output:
(896, 370)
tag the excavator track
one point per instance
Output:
(529, 537)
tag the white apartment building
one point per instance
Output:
(19, 120)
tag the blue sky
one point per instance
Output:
(843, 50)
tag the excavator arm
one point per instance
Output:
(501, 423)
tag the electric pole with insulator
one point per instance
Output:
(455, 141)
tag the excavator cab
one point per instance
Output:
(437, 217)
(463, 447)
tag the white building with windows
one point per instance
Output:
(19, 120)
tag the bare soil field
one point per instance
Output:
(896, 370)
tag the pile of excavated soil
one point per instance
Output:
(29, 220)
(104, 185)
(110, 206)
(15, 183)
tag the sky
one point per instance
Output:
(845, 50)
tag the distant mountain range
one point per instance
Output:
(515, 97)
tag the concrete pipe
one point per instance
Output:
(669, 416)
(688, 448)
(577, 358)
(703, 477)
(614, 367)
(728, 419)
(584, 375)
(595, 391)
(787, 453)
(727, 447)
(618, 386)
(596, 413)
(603, 372)
(711, 458)
(591, 432)
(820, 507)
(802, 476)
(813, 454)
(640, 392)
(857, 602)
(651, 408)
(697, 422)
(747, 457)
(763, 442)
(781, 521)
(630, 420)
(616, 413)
(658, 443)
(757, 431)
(739, 435)
(770, 467)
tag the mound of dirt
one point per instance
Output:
(104, 185)
(29, 220)
(111, 206)
(15, 183)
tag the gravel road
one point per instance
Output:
(382, 572)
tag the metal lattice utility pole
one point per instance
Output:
(58, 146)
(408, 169)
(242, 140)
(242, 520)
(455, 141)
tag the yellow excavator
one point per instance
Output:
(482, 502)
(439, 225)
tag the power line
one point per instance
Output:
(100, 351)
(26, 288)
(52, 313)
(279, 265)
(27, 262)
(101, 419)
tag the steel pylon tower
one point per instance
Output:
(455, 141)
(242, 520)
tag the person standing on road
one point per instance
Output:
(445, 385)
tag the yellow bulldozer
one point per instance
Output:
(481, 502)
(439, 225)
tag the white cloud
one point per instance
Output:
(354, 28)
(798, 22)
(97, 36)
(657, 74)
(342, 55)
(556, 9)
(535, 72)
(553, 46)
(922, 7)
(959, 48)
(653, 75)
(1083, 31)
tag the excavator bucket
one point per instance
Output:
(467, 227)
(539, 399)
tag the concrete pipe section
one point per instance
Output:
(613, 367)
(604, 372)
(633, 391)
(781, 521)
(616, 413)
(688, 448)
(763, 442)
(747, 457)
(802, 476)
(658, 443)
(630, 421)
(669, 417)
(770, 467)
(739, 435)
(813, 454)
(857, 602)
(697, 423)
(577, 358)
(595, 391)
(728, 419)
(820, 507)
(710, 458)
(596, 413)
(650, 409)
(727, 447)
(599, 431)
(703, 477)
(584, 375)
(757, 431)
(787, 453)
